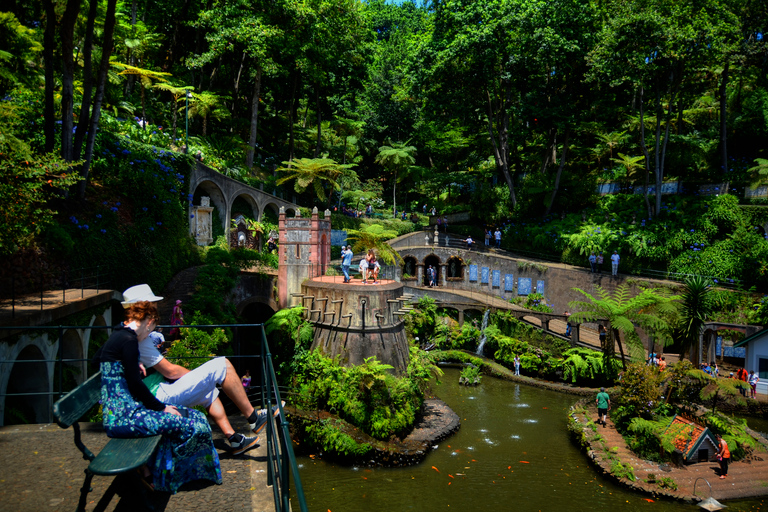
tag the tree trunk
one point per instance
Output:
(294, 107)
(109, 30)
(318, 145)
(617, 339)
(67, 35)
(131, 57)
(254, 120)
(559, 171)
(85, 107)
(237, 88)
(501, 148)
(724, 120)
(49, 43)
(645, 152)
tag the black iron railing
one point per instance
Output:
(280, 457)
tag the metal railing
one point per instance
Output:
(86, 278)
(335, 274)
(281, 459)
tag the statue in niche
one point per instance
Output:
(453, 271)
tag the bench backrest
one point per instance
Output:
(71, 407)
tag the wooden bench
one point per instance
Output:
(118, 456)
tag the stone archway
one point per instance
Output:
(28, 377)
(433, 260)
(218, 200)
(72, 367)
(247, 340)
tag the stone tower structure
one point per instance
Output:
(304, 252)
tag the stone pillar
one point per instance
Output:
(461, 317)
(201, 223)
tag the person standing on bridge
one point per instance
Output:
(593, 262)
(599, 262)
(346, 261)
(497, 236)
(615, 263)
(567, 324)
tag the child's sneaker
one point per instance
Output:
(239, 443)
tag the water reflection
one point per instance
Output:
(512, 453)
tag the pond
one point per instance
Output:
(513, 452)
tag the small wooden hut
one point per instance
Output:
(695, 442)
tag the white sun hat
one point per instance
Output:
(138, 293)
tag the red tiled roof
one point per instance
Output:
(689, 434)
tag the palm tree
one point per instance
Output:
(315, 172)
(207, 105)
(177, 93)
(374, 236)
(146, 77)
(697, 305)
(397, 157)
(623, 313)
(612, 140)
(630, 163)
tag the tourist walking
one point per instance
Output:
(567, 324)
(663, 364)
(723, 456)
(364, 269)
(615, 263)
(753, 380)
(599, 262)
(431, 276)
(445, 223)
(497, 236)
(246, 380)
(603, 402)
(346, 261)
(602, 334)
(469, 242)
(177, 318)
(593, 262)
(487, 237)
(517, 365)
(744, 377)
(373, 269)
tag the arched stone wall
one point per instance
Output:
(410, 264)
(72, 348)
(218, 200)
(454, 268)
(28, 377)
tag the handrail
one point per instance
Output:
(281, 460)
(280, 456)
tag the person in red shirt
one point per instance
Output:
(743, 376)
(723, 456)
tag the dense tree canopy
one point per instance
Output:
(523, 104)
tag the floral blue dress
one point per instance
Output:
(186, 451)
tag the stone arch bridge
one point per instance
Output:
(223, 192)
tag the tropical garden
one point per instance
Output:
(573, 126)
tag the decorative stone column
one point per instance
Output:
(201, 223)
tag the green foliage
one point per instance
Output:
(666, 482)
(697, 306)
(470, 374)
(27, 182)
(196, 347)
(646, 438)
(420, 323)
(639, 391)
(328, 435)
(620, 470)
(534, 302)
(585, 367)
(365, 395)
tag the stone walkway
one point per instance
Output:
(747, 478)
(41, 469)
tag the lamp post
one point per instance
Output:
(186, 112)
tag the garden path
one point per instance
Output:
(746, 478)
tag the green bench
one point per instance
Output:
(118, 456)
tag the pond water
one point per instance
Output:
(513, 452)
